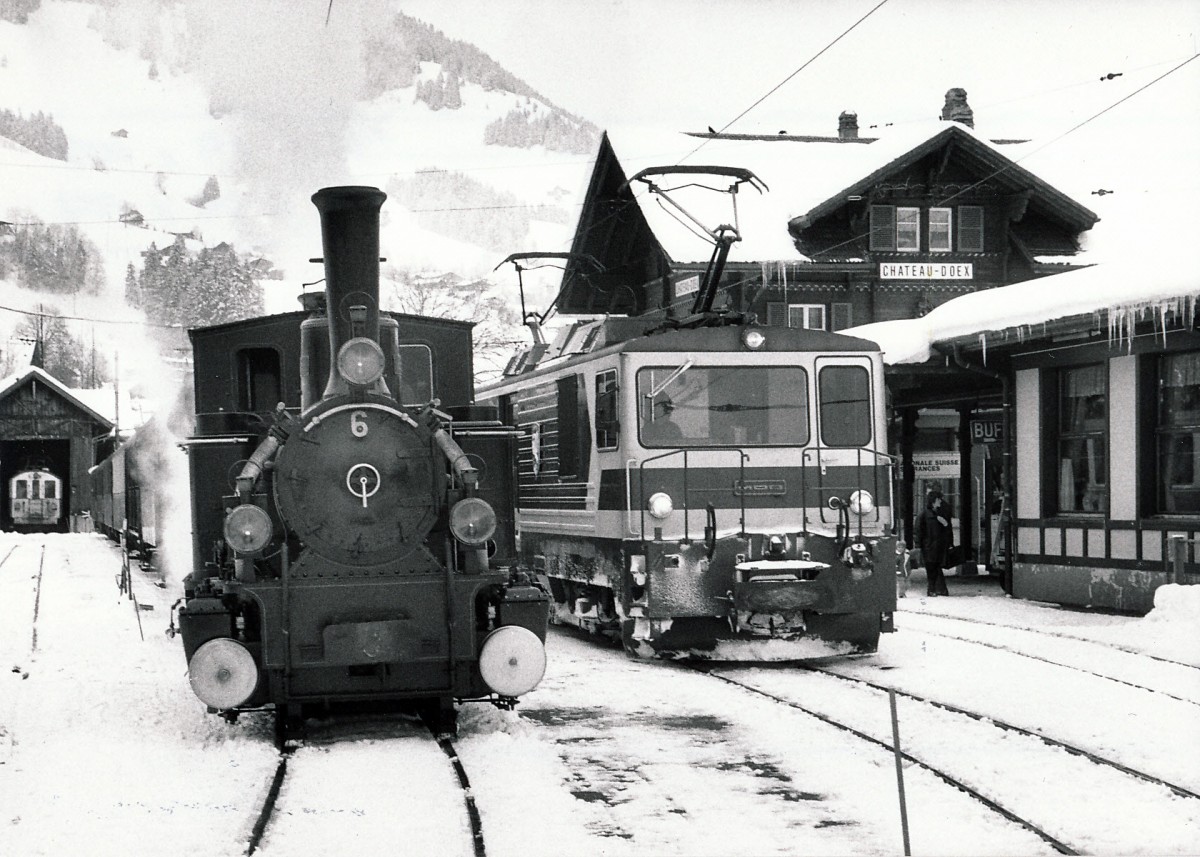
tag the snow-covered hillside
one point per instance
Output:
(157, 98)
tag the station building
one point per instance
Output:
(1062, 446)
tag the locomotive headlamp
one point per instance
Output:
(512, 660)
(247, 528)
(222, 673)
(753, 338)
(660, 505)
(862, 503)
(473, 521)
(360, 361)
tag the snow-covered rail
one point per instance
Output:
(1063, 662)
(912, 617)
(941, 774)
(1006, 766)
(366, 781)
(1182, 791)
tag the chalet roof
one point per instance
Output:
(806, 180)
(896, 152)
(14, 382)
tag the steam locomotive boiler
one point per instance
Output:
(358, 549)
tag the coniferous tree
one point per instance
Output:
(64, 355)
(133, 290)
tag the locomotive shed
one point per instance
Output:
(43, 424)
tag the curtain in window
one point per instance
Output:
(1182, 370)
(1084, 381)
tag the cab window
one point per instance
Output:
(845, 403)
(687, 405)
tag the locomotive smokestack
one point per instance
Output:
(350, 238)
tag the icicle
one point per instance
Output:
(983, 347)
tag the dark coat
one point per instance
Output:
(934, 538)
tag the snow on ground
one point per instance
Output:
(104, 750)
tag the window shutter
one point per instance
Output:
(883, 227)
(970, 228)
(842, 316)
(777, 314)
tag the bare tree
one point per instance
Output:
(497, 324)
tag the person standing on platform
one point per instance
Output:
(934, 538)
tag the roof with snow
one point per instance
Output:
(898, 151)
(629, 227)
(35, 373)
(1116, 293)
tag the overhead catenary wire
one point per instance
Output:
(43, 314)
(856, 238)
(783, 82)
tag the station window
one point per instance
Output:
(806, 316)
(899, 228)
(845, 404)
(908, 228)
(810, 316)
(1082, 454)
(939, 230)
(1178, 433)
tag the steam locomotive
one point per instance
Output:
(358, 549)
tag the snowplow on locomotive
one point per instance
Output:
(350, 548)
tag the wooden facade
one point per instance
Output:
(1106, 455)
(42, 424)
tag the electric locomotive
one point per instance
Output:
(358, 549)
(35, 500)
(706, 479)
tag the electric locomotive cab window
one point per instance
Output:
(697, 406)
(845, 403)
(21, 490)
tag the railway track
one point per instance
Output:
(949, 779)
(927, 753)
(374, 778)
(1058, 663)
(1074, 750)
(1041, 632)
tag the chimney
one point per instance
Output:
(956, 108)
(847, 125)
